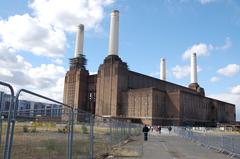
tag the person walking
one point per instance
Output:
(169, 129)
(159, 129)
(145, 132)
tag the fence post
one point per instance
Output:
(6, 147)
(222, 142)
(111, 135)
(70, 132)
(124, 129)
(129, 129)
(0, 129)
(10, 130)
(232, 144)
(91, 136)
(1, 97)
(121, 130)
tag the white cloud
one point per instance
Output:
(46, 74)
(58, 61)
(229, 70)
(67, 14)
(55, 91)
(14, 65)
(200, 49)
(5, 72)
(22, 32)
(43, 31)
(180, 72)
(235, 89)
(203, 49)
(206, 1)
(46, 78)
(214, 79)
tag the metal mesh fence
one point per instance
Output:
(95, 136)
(41, 128)
(212, 139)
(81, 135)
(3, 128)
(102, 136)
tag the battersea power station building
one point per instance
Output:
(115, 91)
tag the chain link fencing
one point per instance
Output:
(212, 138)
(40, 127)
(37, 127)
(97, 137)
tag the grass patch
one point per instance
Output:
(45, 140)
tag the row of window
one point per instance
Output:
(29, 108)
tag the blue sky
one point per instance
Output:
(37, 40)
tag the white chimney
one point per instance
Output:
(113, 35)
(193, 68)
(79, 40)
(162, 69)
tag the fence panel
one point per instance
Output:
(41, 129)
(236, 144)
(227, 144)
(33, 126)
(134, 147)
(102, 136)
(6, 102)
(81, 135)
(97, 137)
(213, 139)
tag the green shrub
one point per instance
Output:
(37, 124)
(63, 130)
(60, 130)
(34, 130)
(25, 129)
(84, 129)
(51, 125)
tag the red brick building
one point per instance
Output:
(116, 91)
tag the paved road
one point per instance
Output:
(166, 146)
(174, 147)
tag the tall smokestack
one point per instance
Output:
(193, 68)
(113, 35)
(79, 41)
(162, 69)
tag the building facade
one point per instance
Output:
(30, 109)
(115, 91)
